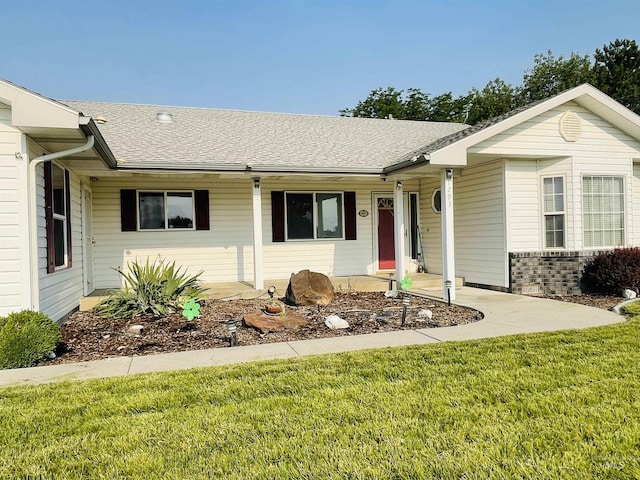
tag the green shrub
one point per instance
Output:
(611, 272)
(156, 289)
(25, 338)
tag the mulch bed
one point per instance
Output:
(87, 336)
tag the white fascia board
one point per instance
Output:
(29, 109)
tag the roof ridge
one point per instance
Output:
(235, 110)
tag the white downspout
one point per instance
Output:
(33, 218)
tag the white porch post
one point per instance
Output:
(258, 275)
(398, 227)
(448, 250)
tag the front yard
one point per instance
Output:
(551, 405)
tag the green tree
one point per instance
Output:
(379, 104)
(417, 105)
(616, 71)
(550, 76)
(445, 108)
(496, 98)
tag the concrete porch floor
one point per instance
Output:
(237, 290)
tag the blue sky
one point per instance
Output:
(312, 57)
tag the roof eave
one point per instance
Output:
(272, 170)
(89, 127)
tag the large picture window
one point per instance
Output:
(554, 212)
(165, 210)
(603, 211)
(57, 197)
(314, 215)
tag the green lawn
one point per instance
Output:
(553, 405)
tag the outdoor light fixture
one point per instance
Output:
(405, 305)
(398, 185)
(448, 285)
(232, 326)
(256, 183)
(449, 173)
(271, 290)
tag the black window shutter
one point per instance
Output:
(128, 210)
(350, 216)
(67, 196)
(48, 215)
(202, 209)
(277, 216)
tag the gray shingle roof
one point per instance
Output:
(203, 138)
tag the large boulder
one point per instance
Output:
(309, 288)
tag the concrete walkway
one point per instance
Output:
(504, 314)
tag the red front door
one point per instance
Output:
(386, 242)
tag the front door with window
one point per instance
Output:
(384, 227)
(386, 237)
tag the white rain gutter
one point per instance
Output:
(33, 207)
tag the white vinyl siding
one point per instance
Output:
(478, 205)
(14, 282)
(523, 205)
(430, 224)
(60, 291)
(635, 207)
(602, 149)
(225, 252)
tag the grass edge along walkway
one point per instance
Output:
(548, 405)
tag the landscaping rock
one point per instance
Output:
(334, 322)
(136, 329)
(425, 314)
(309, 288)
(275, 323)
(629, 294)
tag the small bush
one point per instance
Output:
(157, 289)
(611, 272)
(25, 338)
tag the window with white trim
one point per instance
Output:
(59, 207)
(554, 212)
(163, 210)
(603, 211)
(314, 215)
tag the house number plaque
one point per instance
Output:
(363, 213)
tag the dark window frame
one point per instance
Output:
(129, 210)
(314, 215)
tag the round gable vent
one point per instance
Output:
(570, 126)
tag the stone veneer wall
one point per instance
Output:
(554, 273)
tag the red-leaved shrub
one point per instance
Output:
(611, 272)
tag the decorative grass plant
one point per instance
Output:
(157, 289)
